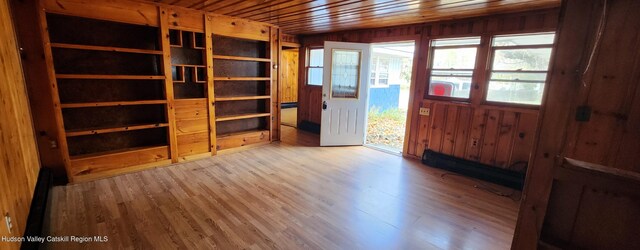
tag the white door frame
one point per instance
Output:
(344, 120)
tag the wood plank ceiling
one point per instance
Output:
(318, 16)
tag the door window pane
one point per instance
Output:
(345, 73)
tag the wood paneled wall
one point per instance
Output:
(609, 88)
(505, 135)
(40, 97)
(289, 76)
(498, 137)
(18, 153)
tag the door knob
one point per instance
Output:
(324, 105)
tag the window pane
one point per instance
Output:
(515, 92)
(461, 58)
(345, 73)
(315, 76)
(459, 87)
(316, 57)
(456, 41)
(465, 73)
(522, 59)
(519, 40)
(541, 77)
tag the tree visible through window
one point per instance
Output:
(519, 68)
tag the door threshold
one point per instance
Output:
(381, 149)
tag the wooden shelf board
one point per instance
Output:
(242, 133)
(189, 65)
(119, 77)
(115, 152)
(108, 104)
(242, 78)
(105, 48)
(242, 116)
(241, 58)
(242, 98)
(94, 131)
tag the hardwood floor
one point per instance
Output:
(287, 195)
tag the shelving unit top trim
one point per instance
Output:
(135, 13)
(240, 28)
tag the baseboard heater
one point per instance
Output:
(37, 212)
(503, 177)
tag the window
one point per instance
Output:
(380, 71)
(519, 68)
(452, 65)
(314, 67)
(345, 73)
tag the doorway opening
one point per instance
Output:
(289, 87)
(389, 84)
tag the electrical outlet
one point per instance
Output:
(424, 111)
(474, 142)
(7, 220)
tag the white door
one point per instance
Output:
(344, 93)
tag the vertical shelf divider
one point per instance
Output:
(208, 34)
(168, 82)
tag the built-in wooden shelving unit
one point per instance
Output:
(242, 85)
(109, 82)
(189, 74)
(148, 87)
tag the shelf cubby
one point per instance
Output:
(109, 90)
(175, 38)
(65, 29)
(88, 118)
(86, 62)
(122, 141)
(238, 47)
(177, 73)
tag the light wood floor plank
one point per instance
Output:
(287, 195)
